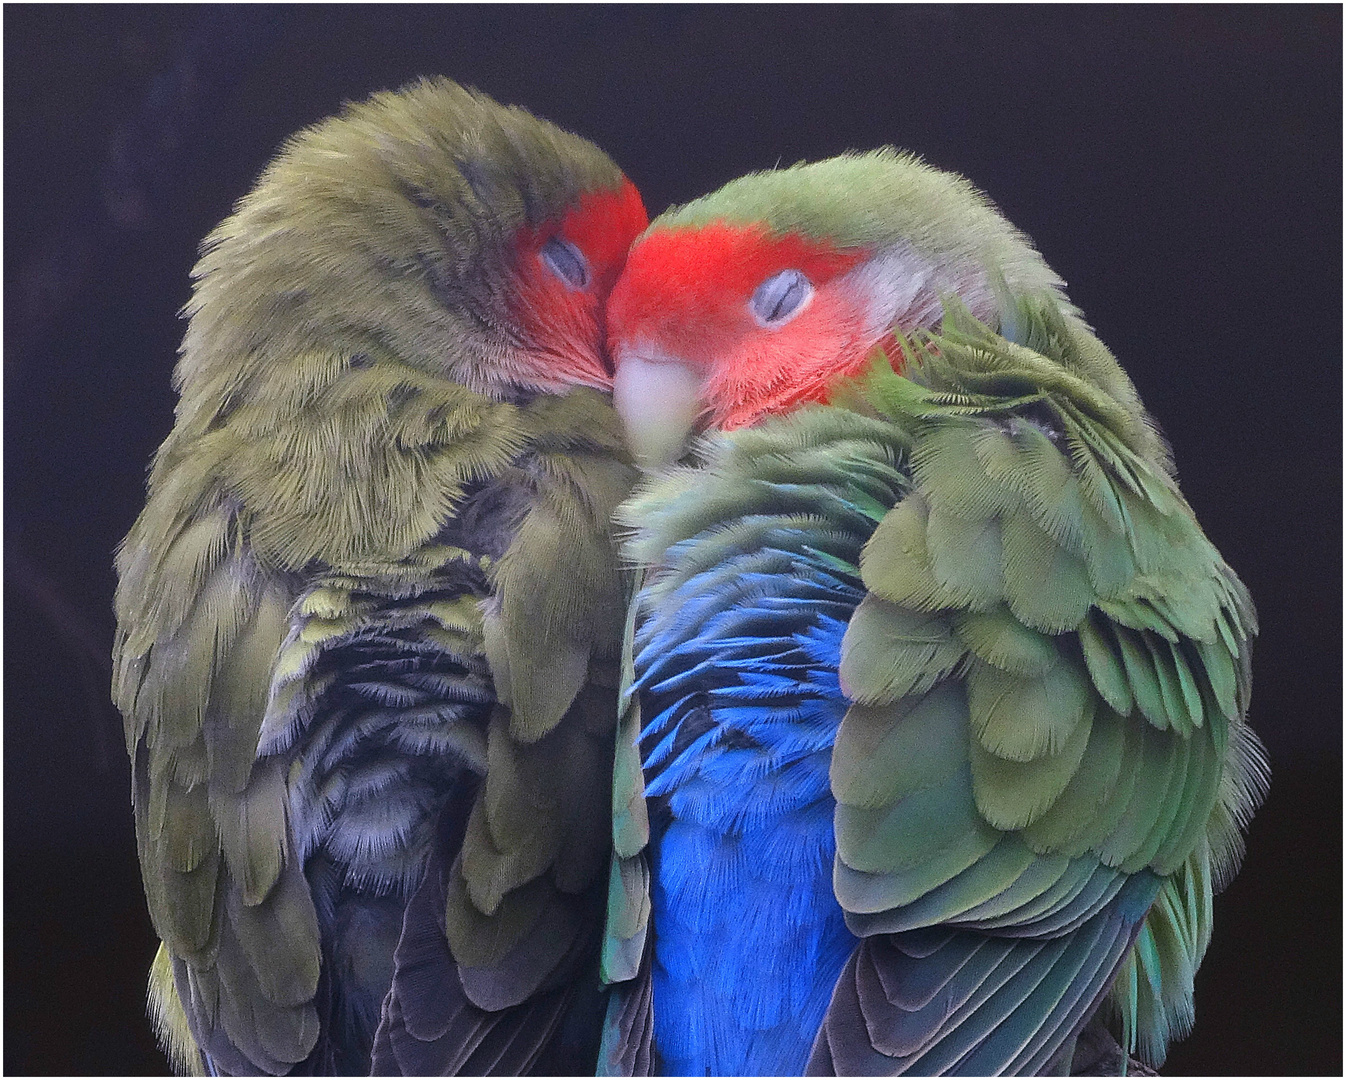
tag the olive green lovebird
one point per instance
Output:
(936, 688)
(370, 616)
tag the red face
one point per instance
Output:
(765, 322)
(564, 275)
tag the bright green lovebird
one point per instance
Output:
(937, 690)
(370, 616)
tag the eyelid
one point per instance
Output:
(566, 261)
(780, 298)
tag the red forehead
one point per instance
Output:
(602, 224)
(697, 281)
(562, 325)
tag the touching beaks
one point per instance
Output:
(659, 400)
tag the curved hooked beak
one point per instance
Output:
(659, 400)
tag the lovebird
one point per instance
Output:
(934, 746)
(369, 620)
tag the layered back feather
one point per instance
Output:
(1045, 766)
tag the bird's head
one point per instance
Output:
(432, 226)
(757, 299)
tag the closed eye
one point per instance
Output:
(780, 297)
(566, 261)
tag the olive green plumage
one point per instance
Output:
(348, 386)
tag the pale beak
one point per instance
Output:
(659, 400)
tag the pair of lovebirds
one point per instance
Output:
(897, 724)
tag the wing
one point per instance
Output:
(509, 920)
(283, 604)
(296, 749)
(628, 1024)
(1045, 766)
(256, 487)
(200, 627)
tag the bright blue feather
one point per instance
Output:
(737, 652)
(738, 679)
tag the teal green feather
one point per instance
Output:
(892, 751)
(910, 831)
(1013, 793)
(1078, 820)
(1090, 689)
(1106, 666)
(1000, 640)
(1022, 718)
(891, 652)
(965, 559)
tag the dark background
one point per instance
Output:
(1180, 167)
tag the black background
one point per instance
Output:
(1180, 167)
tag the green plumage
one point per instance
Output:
(351, 385)
(1044, 765)
(1098, 725)
(905, 201)
(1048, 674)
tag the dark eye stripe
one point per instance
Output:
(566, 261)
(779, 297)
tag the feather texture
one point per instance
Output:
(374, 566)
(1036, 762)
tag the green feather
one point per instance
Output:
(539, 613)
(864, 893)
(628, 919)
(909, 831)
(949, 467)
(1135, 612)
(884, 753)
(1169, 807)
(1107, 555)
(188, 831)
(1046, 586)
(279, 938)
(964, 558)
(1040, 874)
(1105, 664)
(631, 826)
(1055, 890)
(629, 886)
(252, 831)
(1071, 825)
(1141, 676)
(480, 940)
(1021, 718)
(1013, 794)
(1050, 487)
(1170, 685)
(999, 639)
(170, 1019)
(1220, 675)
(1200, 789)
(984, 884)
(895, 563)
(1145, 805)
(999, 459)
(889, 652)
